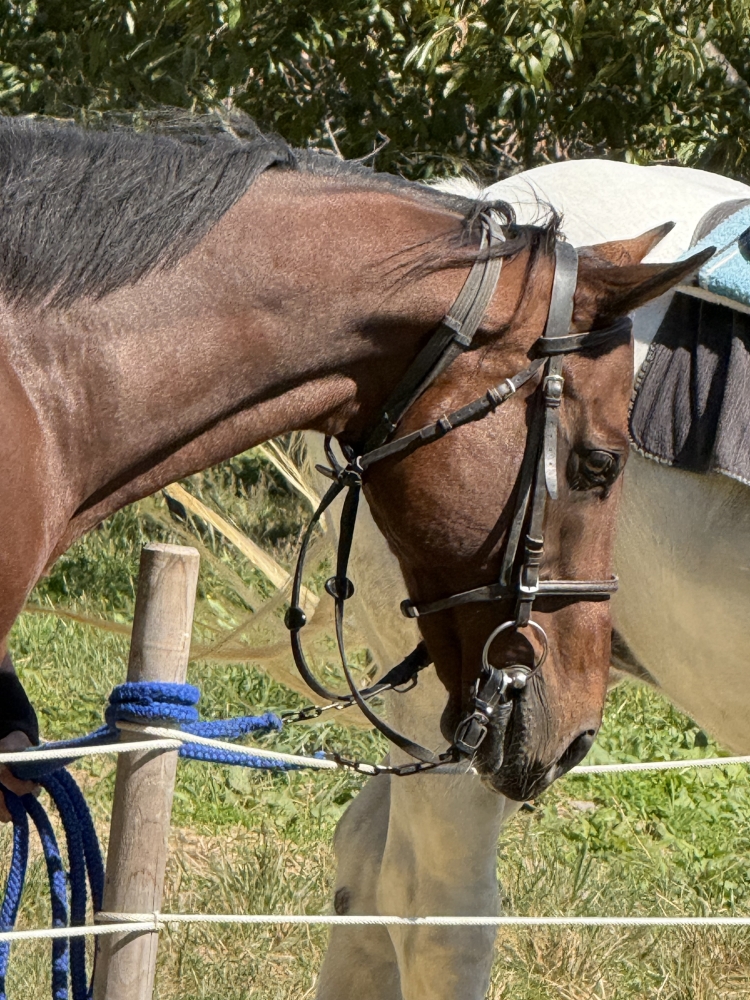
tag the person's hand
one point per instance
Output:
(13, 741)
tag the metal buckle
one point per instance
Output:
(553, 389)
(462, 732)
(352, 474)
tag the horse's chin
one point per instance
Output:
(514, 773)
(518, 787)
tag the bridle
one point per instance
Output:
(519, 578)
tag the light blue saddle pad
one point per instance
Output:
(727, 273)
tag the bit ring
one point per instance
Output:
(513, 625)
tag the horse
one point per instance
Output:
(429, 845)
(168, 301)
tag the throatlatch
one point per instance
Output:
(519, 577)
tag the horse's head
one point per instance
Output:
(454, 514)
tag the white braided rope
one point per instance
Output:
(171, 739)
(658, 765)
(251, 751)
(168, 739)
(141, 923)
(72, 753)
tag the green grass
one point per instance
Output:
(668, 843)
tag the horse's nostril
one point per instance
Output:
(576, 751)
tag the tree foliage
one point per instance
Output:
(494, 85)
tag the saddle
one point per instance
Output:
(691, 405)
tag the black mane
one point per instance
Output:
(84, 211)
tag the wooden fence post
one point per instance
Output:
(136, 860)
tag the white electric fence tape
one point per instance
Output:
(153, 922)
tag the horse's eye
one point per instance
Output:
(594, 468)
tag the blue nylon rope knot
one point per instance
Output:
(155, 702)
(146, 702)
(152, 700)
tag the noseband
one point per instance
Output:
(519, 578)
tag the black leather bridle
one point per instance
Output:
(491, 692)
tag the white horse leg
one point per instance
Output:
(419, 845)
(440, 859)
(360, 963)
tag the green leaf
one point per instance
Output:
(535, 70)
(234, 13)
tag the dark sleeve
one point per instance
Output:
(16, 711)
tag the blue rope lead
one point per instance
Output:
(91, 849)
(58, 886)
(77, 876)
(15, 880)
(142, 702)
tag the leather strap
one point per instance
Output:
(620, 330)
(562, 301)
(453, 336)
(553, 392)
(409, 746)
(559, 319)
(295, 619)
(586, 590)
(476, 410)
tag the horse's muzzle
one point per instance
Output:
(523, 758)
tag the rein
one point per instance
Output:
(491, 692)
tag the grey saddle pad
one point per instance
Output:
(691, 407)
(692, 397)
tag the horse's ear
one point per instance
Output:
(633, 251)
(606, 291)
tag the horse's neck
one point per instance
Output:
(274, 322)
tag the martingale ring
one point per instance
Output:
(514, 625)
